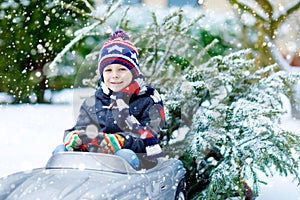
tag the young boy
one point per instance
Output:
(125, 114)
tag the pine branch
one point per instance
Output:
(77, 10)
(267, 7)
(123, 18)
(88, 5)
(81, 34)
(290, 8)
(248, 9)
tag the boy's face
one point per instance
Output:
(116, 77)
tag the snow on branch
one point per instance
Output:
(244, 5)
(77, 10)
(80, 34)
(85, 31)
(289, 9)
(88, 5)
(266, 6)
(279, 59)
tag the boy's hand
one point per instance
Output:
(104, 143)
(72, 141)
(112, 143)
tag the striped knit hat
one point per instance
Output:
(118, 49)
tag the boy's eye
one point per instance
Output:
(107, 70)
(123, 69)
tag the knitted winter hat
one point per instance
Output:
(118, 49)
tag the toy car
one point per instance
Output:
(91, 176)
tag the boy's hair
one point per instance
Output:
(118, 49)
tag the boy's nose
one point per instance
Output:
(115, 74)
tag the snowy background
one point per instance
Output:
(29, 133)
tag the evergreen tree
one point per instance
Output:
(238, 125)
(261, 24)
(31, 33)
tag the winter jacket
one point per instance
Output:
(146, 107)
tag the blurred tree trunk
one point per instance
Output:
(41, 89)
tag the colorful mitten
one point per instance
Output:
(112, 143)
(72, 141)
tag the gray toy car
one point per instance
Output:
(90, 176)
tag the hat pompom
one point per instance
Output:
(119, 34)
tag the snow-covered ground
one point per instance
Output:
(29, 133)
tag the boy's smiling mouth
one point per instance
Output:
(116, 83)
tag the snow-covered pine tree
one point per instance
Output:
(239, 118)
(265, 26)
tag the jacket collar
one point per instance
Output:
(103, 92)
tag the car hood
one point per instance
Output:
(68, 184)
